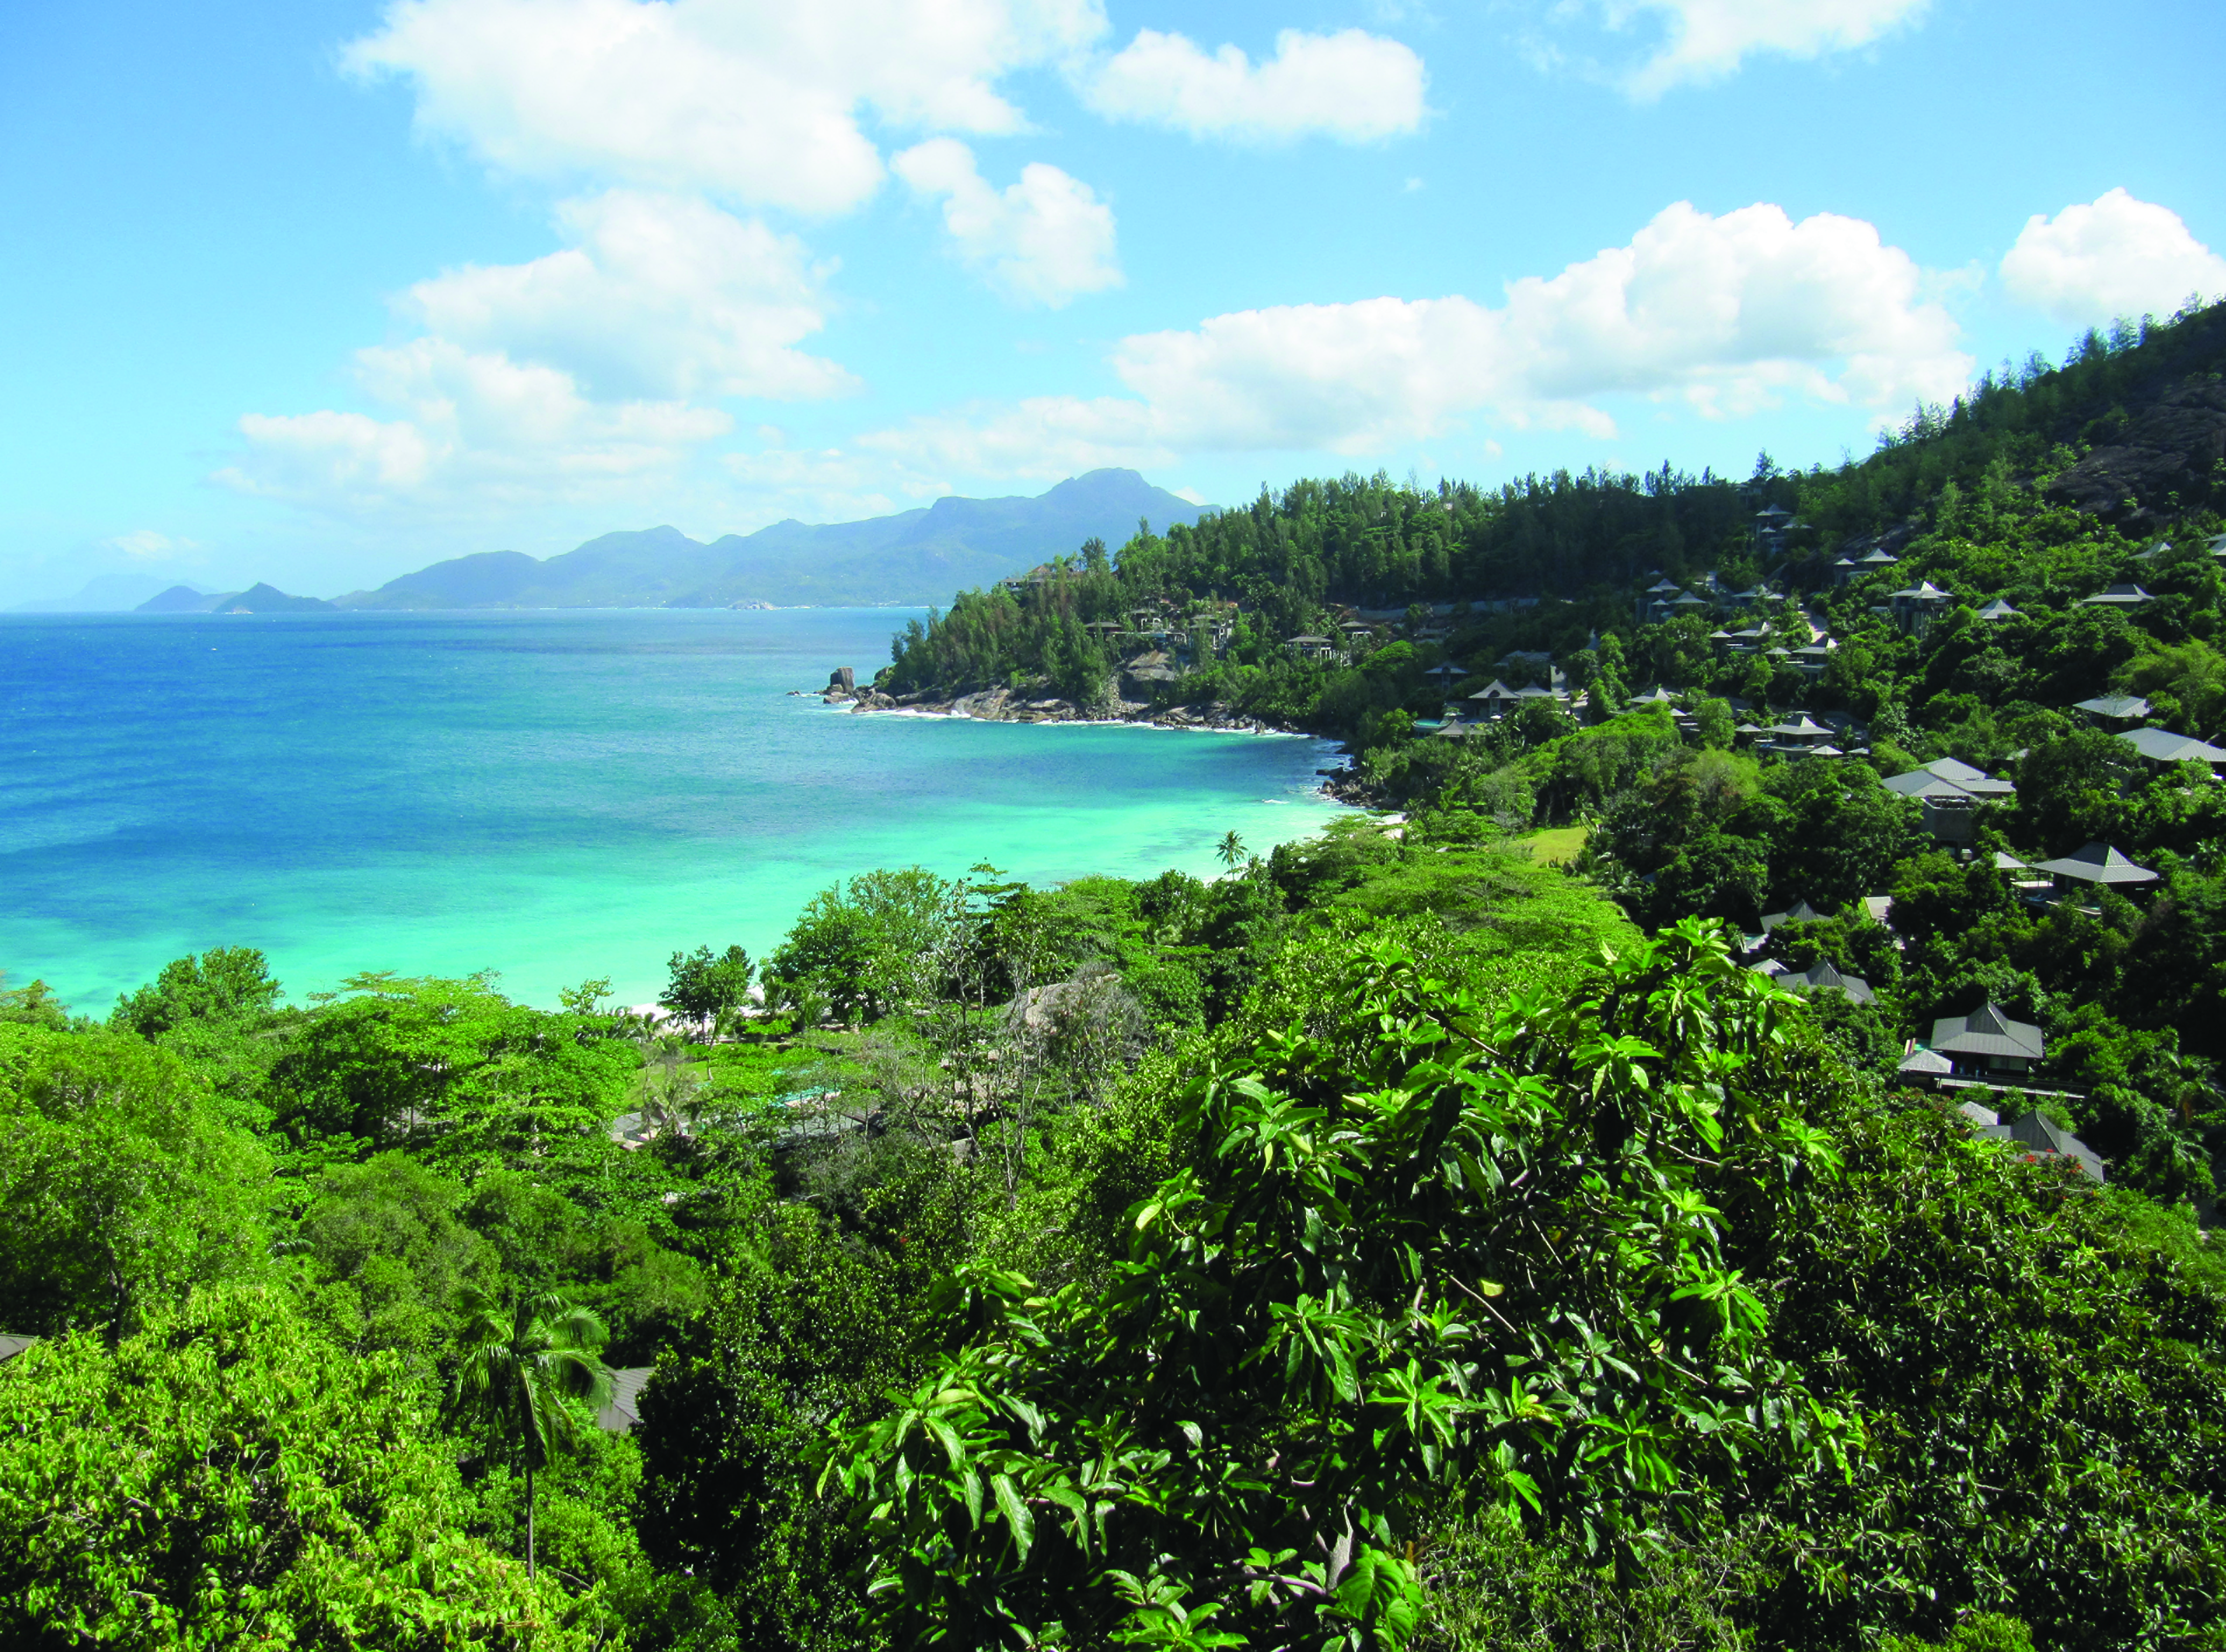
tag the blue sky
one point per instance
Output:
(318, 292)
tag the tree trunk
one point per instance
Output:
(528, 1519)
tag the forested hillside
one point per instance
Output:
(1489, 1224)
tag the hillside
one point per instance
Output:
(256, 599)
(914, 557)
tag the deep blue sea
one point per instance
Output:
(554, 795)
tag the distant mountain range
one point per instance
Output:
(256, 599)
(914, 557)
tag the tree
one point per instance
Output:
(1231, 850)
(230, 1476)
(704, 985)
(1351, 1301)
(522, 1372)
(225, 983)
(123, 1184)
(1714, 718)
(870, 946)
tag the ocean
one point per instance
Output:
(553, 795)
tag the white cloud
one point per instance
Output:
(2090, 264)
(147, 545)
(1709, 39)
(475, 431)
(1047, 437)
(582, 373)
(1351, 86)
(662, 297)
(1044, 240)
(755, 100)
(1727, 314)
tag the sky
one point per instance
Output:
(321, 291)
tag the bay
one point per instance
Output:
(554, 795)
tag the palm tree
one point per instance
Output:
(1231, 850)
(520, 1367)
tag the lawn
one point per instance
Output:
(1556, 847)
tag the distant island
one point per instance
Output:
(913, 558)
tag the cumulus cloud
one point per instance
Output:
(1704, 41)
(1044, 240)
(474, 431)
(1727, 314)
(1351, 86)
(2117, 256)
(757, 101)
(570, 376)
(660, 297)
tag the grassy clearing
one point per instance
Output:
(1556, 847)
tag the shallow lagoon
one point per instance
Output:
(551, 795)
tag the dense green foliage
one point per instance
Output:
(1383, 1243)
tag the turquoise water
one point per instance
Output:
(553, 795)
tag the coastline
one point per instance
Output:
(1342, 785)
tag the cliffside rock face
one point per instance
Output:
(2169, 447)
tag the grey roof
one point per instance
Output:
(1800, 912)
(1998, 609)
(1494, 689)
(2008, 863)
(2162, 546)
(1880, 908)
(12, 1345)
(2097, 864)
(1808, 727)
(1944, 775)
(2162, 746)
(2125, 707)
(2124, 595)
(1443, 670)
(1976, 1114)
(2044, 1135)
(1918, 783)
(1924, 592)
(1823, 976)
(1987, 1031)
(1926, 1061)
(625, 1409)
(1878, 559)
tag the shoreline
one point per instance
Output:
(1343, 786)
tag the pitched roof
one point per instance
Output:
(2124, 595)
(1807, 727)
(2037, 1130)
(1945, 774)
(625, 1409)
(1987, 1031)
(1927, 1061)
(1998, 609)
(2097, 864)
(2124, 707)
(12, 1345)
(1494, 689)
(2162, 746)
(1823, 976)
(1800, 912)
